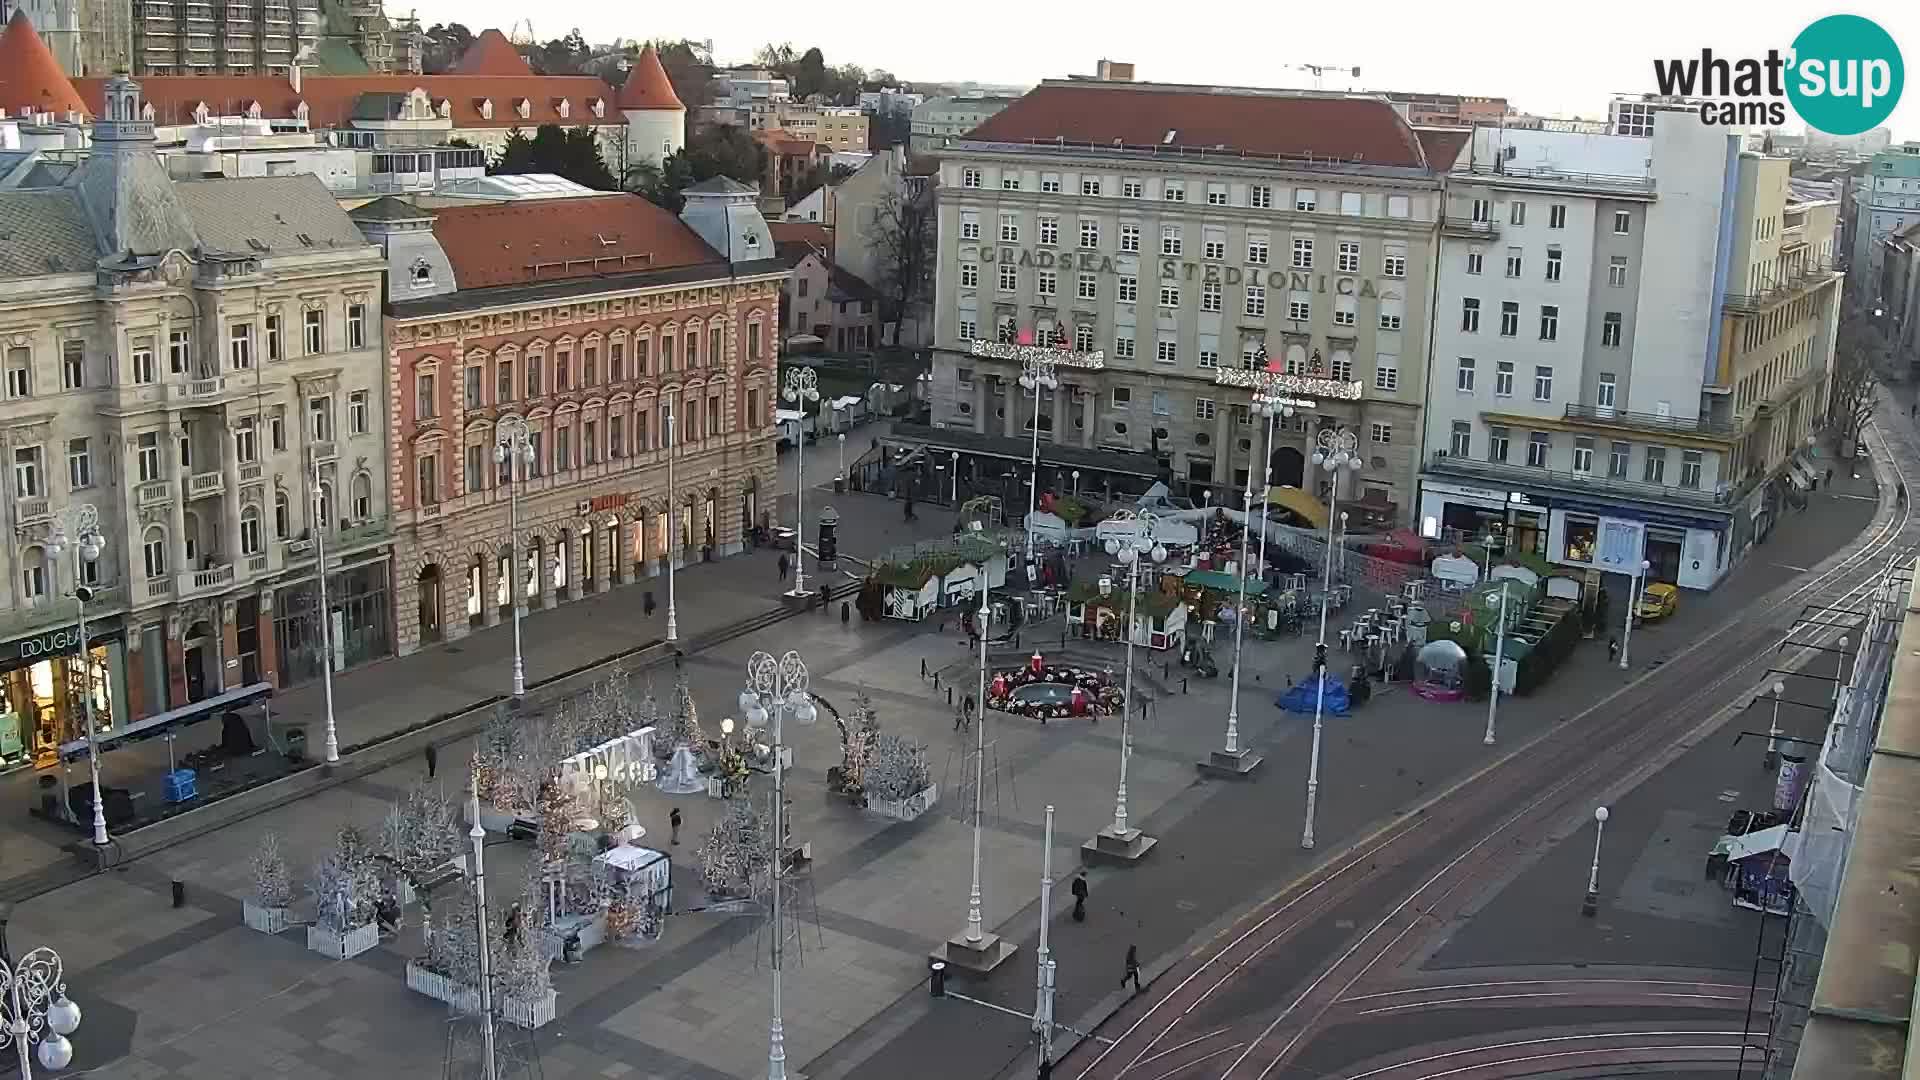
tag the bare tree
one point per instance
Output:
(1862, 356)
(901, 237)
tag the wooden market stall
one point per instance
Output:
(1100, 613)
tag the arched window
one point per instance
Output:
(282, 516)
(362, 496)
(251, 542)
(154, 550)
(33, 575)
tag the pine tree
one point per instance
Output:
(271, 886)
(898, 769)
(557, 812)
(683, 723)
(736, 852)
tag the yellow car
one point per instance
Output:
(1657, 602)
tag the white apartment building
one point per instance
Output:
(1173, 240)
(1630, 342)
(935, 120)
(1886, 200)
(180, 356)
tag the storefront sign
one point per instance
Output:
(1520, 498)
(64, 640)
(1487, 494)
(1621, 544)
(1174, 270)
(1070, 358)
(1274, 383)
(600, 503)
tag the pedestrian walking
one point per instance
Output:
(1829, 477)
(432, 754)
(673, 825)
(785, 566)
(1080, 897)
(1133, 968)
(1613, 649)
(650, 605)
(960, 717)
(969, 703)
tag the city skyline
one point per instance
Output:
(1501, 37)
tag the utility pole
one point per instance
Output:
(1043, 999)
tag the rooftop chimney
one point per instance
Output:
(1114, 71)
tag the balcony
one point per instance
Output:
(323, 450)
(205, 485)
(207, 391)
(31, 508)
(250, 474)
(374, 531)
(154, 493)
(1500, 472)
(194, 582)
(1805, 280)
(1469, 228)
(1642, 421)
(159, 588)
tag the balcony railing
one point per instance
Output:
(1460, 226)
(1547, 175)
(1800, 282)
(193, 582)
(31, 508)
(1645, 421)
(203, 485)
(159, 587)
(154, 493)
(256, 564)
(1505, 472)
(366, 532)
(250, 473)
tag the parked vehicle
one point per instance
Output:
(1657, 601)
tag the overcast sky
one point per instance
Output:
(1553, 59)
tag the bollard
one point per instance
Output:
(179, 894)
(949, 695)
(938, 981)
(936, 680)
(923, 667)
(1183, 684)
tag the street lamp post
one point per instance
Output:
(1036, 374)
(842, 440)
(974, 947)
(513, 447)
(1076, 483)
(321, 513)
(1335, 449)
(79, 528)
(1499, 658)
(1119, 839)
(1235, 761)
(490, 1069)
(35, 1008)
(802, 386)
(673, 524)
(1591, 904)
(777, 687)
(956, 479)
(1634, 587)
(1043, 956)
(1772, 760)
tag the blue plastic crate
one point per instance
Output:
(180, 786)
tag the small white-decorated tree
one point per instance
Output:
(272, 886)
(897, 769)
(736, 852)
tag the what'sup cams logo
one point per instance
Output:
(1843, 76)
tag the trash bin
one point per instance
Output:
(296, 744)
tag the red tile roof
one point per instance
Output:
(647, 85)
(30, 78)
(1443, 145)
(780, 141)
(520, 243)
(330, 99)
(491, 54)
(808, 232)
(1142, 115)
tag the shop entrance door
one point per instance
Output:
(1663, 551)
(428, 599)
(199, 654)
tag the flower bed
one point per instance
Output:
(527, 1014)
(343, 946)
(267, 920)
(1100, 695)
(909, 808)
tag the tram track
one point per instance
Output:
(1600, 749)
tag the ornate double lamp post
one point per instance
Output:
(802, 386)
(78, 530)
(775, 688)
(513, 447)
(1335, 450)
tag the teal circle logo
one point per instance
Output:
(1846, 75)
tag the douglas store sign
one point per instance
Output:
(61, 642)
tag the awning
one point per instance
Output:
(1301, 503)
(155, 726)
(1760, 842)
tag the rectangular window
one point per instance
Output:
(1503, 378)
(1393, 263)
(1549, 322)
(1009, 181)
(423, 401)
(1517, 213)
(1539, 449)
(504, 384)
(1349, 257)
(1461, 444)
(1345, 311)
(1122, 397)
(471, 388)
(1167, 351)
(1622, 222)
(1260, 197)
(1170, 240)
(1383, 433)
(562, 449)
(1514, 262)
(315, 328)
(1303, 253)
(1350, 203)
(1656, 467)
(753, 341)
(1203, 409)
(1087, 287)
(1123, 346)
(274, 351)
(1617, 271)
(1089, 233)
(1610, 330)
(616, 437)
(1047, 283)
(1557, 216)
(1257, 247)
(1690, 466)
(320, 418)
(1009, 277)
(1213, 247)
(1470, 315)
(1299, 305)
(1209, 359)
(1304, 199)
(969, 225)
(1162, 404)
(1256, 302)
(240, 346)
(1605, 395)
(1509, 319)
(1174, 191)
(26, 472)
(1169, 296)
(1216, 194)
(1583, 454)
(277, 432)
(1542, 383)
(1049, 230)
(617, 361)
(19, 373)
(1210, 293)
(357, 412)
(717, 346)
(1617, 460)
(476, 467)
(1009, 229)
(1129, 289)
(144, 370)
(179, 351)
(1386, 372)
(1129, 238)
(1497, 440)
(1089, 186)
(1483, 210)
(1553, 264)
(356, 326)
(1463, 375)
(1476, 261)
(1391, 313)
(147, 457)
(79, 464)
(1050, 183)
(1131, 188)
(536, 367)
(970, 178)
(693, 358)
(427, 479)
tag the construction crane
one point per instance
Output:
(1320, 72)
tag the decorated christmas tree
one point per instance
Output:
(557, 810)
(683, 720)
(736, 852)
(422, 831)
(897, 769)
(857, 734)
(338, 903)
(272, 888)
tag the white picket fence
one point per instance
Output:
(517, 1011)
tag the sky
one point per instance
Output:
(1547, 59)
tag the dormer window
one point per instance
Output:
(420, 274)
(300, 113)
(200, 113)
(564, 108)
(486, 108)
(443, 108)
(418, 107)
(599, 106)
(146, 112)
(253, 110)
(523, 108)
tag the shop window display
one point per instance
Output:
(1582, 537)
(41, 705)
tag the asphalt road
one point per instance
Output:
(1225, 844)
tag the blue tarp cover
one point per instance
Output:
(1300, 697)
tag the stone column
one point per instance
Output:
(490, 586)
(1091, 409)
(981, 422)
(550, 596)
(227, 677)
(1226, 443)
(453, 622)
(177, 542)
(1016, 403)
(176, 658)
(269, 648)
(230, 498)
(136, 704)
(577, 542)
(1061, 420)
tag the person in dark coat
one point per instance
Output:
(673, 824)
(1133, 968)
(433, 759)
(785, 566)
(1080, 897)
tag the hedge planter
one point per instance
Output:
(527, 1014)
(343, 946)
(267, 920)
(909, 808)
